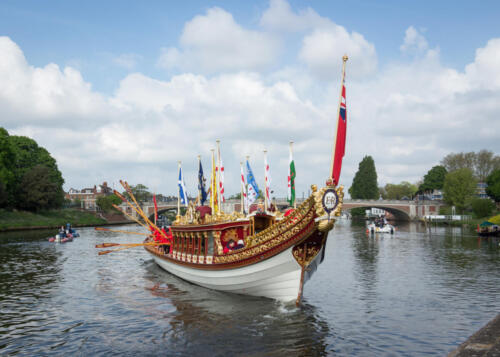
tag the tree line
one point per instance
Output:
(29, 177)
(457, 177)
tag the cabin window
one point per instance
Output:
(210, 244)
(262, 222)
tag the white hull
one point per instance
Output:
(277, 278)
(385, 229)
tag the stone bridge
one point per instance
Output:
(402, 210)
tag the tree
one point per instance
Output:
(482, 207)
(434, 179)
(28, 155)
(493, 181)
(140, 193)
(39, 191)
(398, 191)
(481, 163)
(364, 184)
(453, 162)
(459, 188)
(7, 179)
(106, 202)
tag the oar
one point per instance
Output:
(126, 247)
(119, 231)
(129, 216)
(138, 208)
(107, 245)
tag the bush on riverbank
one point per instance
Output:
(495, 219)
(49, 218)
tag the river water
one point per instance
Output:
(416, 293)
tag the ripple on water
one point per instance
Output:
(414, 293)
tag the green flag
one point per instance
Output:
(291, 181)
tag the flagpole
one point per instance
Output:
(218, 175)
(212, 193)
(199, 186)
(248, 202)
(179, 190)
(265, 180)
(344, 60)
(242, 193)
(154, 195)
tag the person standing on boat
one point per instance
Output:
(62, 233)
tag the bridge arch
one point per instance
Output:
(400, 214)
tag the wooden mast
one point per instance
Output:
(330, 179)
(212, 184)
(242, 188)
(265, 181)
(218, 176)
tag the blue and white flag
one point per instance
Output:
(252, 188)
(201, 186)
(182, 189)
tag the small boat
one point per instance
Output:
(386, 228)
(59, 239)
(488, 229)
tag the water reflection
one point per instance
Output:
(417, 292)
(210, 320)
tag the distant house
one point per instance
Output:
(481, 190)
(88, 196)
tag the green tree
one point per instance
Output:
(482, 207)
(28, 155)
(140, 193)
(459, 188)
(434, 179)
(493, 189)
(453, 161)
(398, 191)
(481, 163)
(39, 191)
(364, 184)
(7, 178)
(106, 202)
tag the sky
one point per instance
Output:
(124, 90)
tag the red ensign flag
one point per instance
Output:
(340, 141)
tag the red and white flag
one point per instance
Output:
(243, 189)
(221, 182)
(267, 179)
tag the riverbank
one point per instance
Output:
(20, 220)
(485, 342)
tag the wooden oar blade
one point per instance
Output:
(102, 252)
(106, 245)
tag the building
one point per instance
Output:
(88, 196)
(481, 190)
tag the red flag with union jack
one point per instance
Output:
(339, 150)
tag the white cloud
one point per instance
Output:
(414, 42)
(215, 42)
(324, 42)
(407, 115)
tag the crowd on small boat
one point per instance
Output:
(65, 234)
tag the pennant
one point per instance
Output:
(252, 188)
(182, 189)
(201, 186)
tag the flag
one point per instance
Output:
(201, 186)
(243, 190)
(182, 189)
(340, 137)
(156, 207)
(267, 180)
(291, 180)
(252, 188)
(213, 188)
(221, 182)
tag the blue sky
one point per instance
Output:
(87, 34)
(122, 89)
